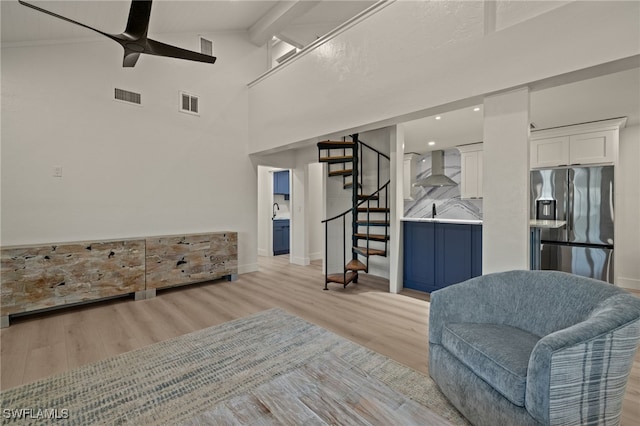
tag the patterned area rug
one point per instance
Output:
(197, 378)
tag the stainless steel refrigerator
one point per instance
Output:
(583, 197)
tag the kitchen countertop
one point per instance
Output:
(548, 224)
(443, 220)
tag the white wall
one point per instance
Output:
(627, 243)
(265, 210)
(396, 245)
(505, 185)
(411, 58)
(128, 171)
(510, 13)
(315, 211)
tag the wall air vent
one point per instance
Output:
(206, 46)
(189, 103)
(127, 96)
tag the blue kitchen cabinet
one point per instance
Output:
(437, 255)
(476, 250)
(453, 254)
(280, 237)
(281, 182)
(419, 256)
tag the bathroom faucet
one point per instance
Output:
(433, 210)
(274, 207)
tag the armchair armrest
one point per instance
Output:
(578, 374)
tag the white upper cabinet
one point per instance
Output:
(591, 148)
(583, 144)
(409, 176)
(471, 162)
(550, 152)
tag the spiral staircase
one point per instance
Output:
(366, 222)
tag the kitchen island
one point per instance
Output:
(440, 252)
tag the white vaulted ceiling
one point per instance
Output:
(301, 22)
(21, 24)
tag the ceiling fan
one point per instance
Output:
(134, 38)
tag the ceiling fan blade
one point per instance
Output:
(160, 49)
(134, 40)
(138, 22)
(55, 15)
(130, 58)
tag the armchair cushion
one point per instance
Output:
(499, 354)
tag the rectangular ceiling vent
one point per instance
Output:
(206, 46)
(127, 96)
(189, 103)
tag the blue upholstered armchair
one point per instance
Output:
(533, 347)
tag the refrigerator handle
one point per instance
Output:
(570, 203)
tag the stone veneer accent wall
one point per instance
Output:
(176, 260)
(37, 277)
(40, 277)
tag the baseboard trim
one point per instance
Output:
(250, 267)
(631, 283)
(303, 261)
(315, 256)
(263, 252)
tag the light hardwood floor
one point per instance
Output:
(395, 325)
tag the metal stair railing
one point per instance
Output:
(343, 215)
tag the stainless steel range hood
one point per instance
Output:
(437, 177)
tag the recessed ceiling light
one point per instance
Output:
(476, 109)
(438, 117)
(431, 143)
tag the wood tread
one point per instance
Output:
(341, 172)
(340, 278)
(335, 144)
(356, 265)
(373, 209)
(337, 159)
(350, 185)
(369, 251)
(366, 197)
(373, 222)
(372, 237)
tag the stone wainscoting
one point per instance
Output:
(39, 277)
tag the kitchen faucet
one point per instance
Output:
(274, 207)
(433, 210)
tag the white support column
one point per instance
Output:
(505, 232)
(299, 253)
(397, 209)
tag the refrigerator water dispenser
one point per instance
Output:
(546, 209)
